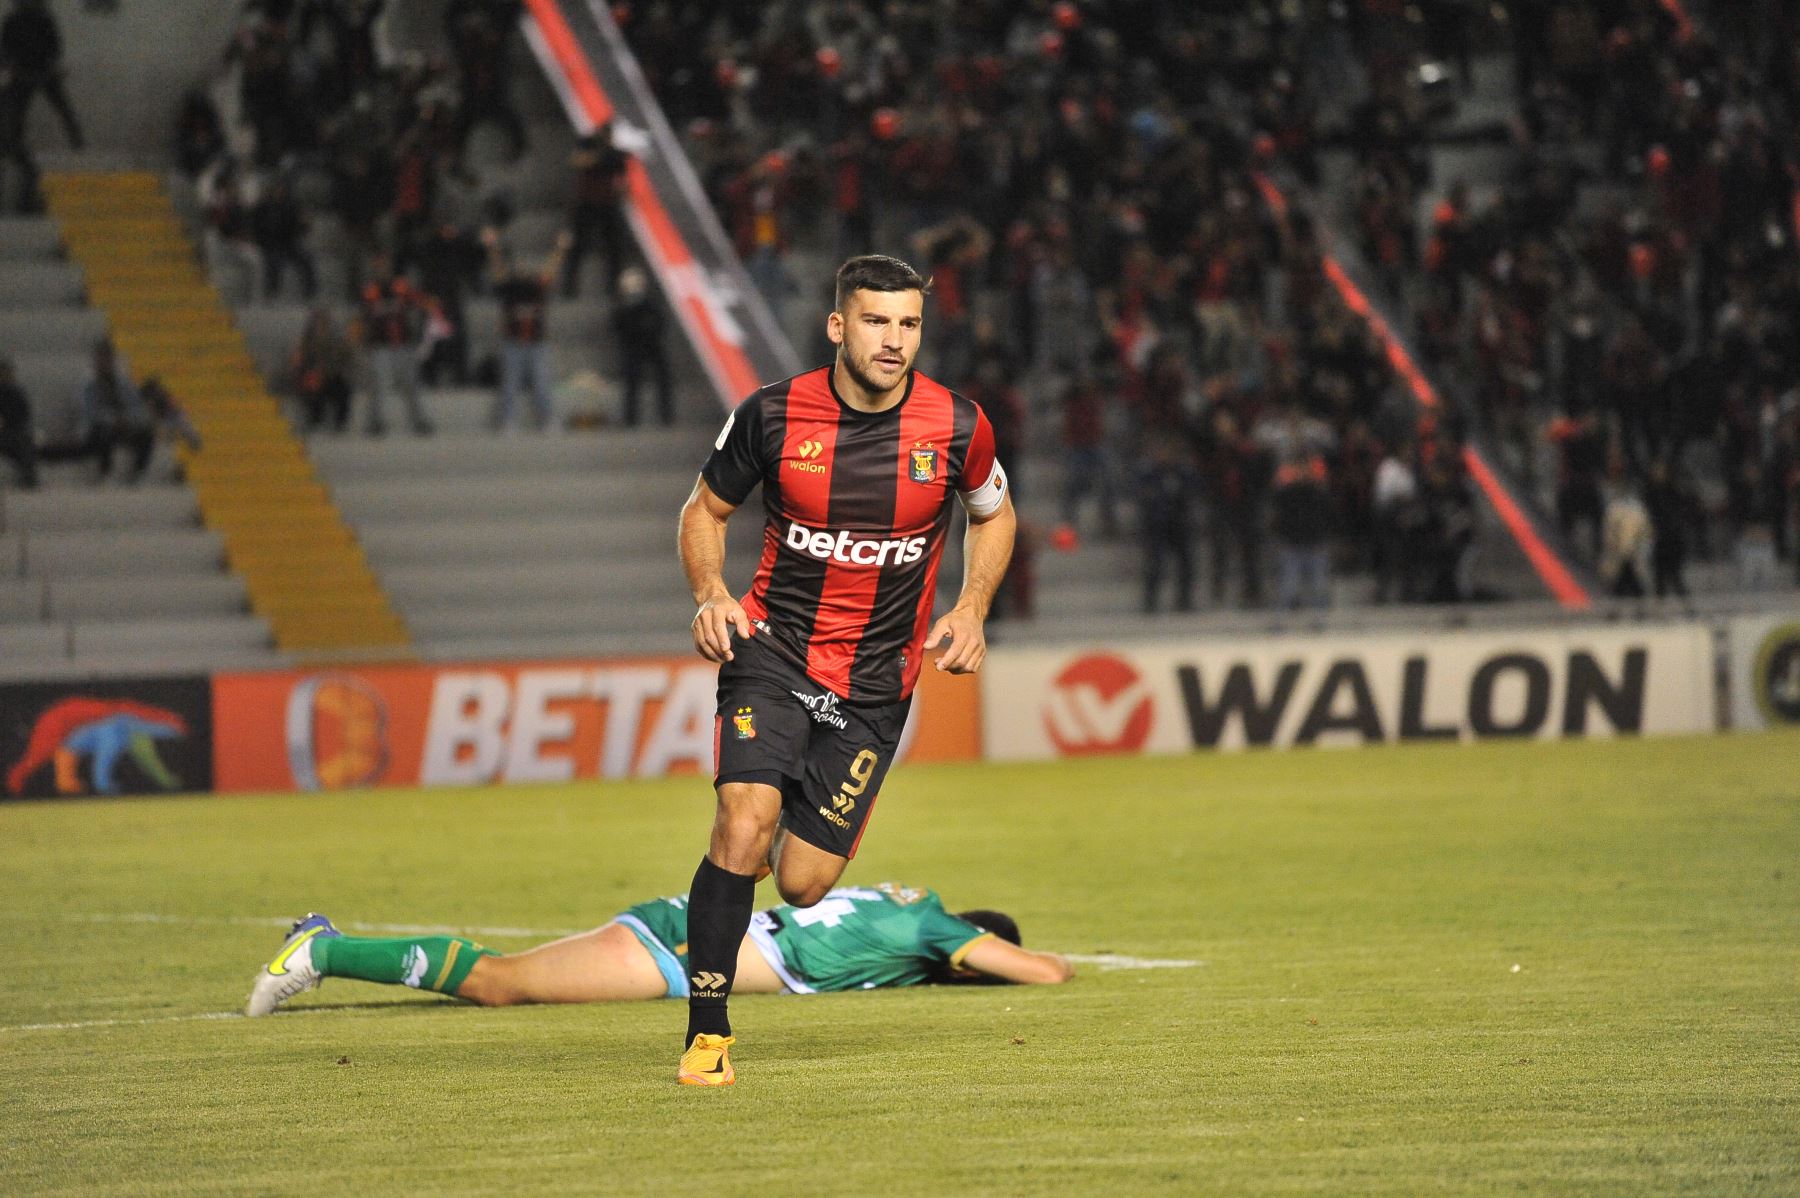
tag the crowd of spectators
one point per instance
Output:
(1083, 181)
(1078, 179)
(1625, 306)
(322, 121)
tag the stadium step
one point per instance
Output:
(301, 565)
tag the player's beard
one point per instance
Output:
(860, 372)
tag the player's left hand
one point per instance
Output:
(968, 644)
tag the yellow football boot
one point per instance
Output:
(706, 1063)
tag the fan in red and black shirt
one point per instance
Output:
(524, 297)
(860, 463)
(391, 320)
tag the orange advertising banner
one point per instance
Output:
(474, 724)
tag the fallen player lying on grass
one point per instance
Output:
(855, 938)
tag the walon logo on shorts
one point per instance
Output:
(858, 551)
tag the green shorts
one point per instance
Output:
(661, 927)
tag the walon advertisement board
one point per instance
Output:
(1172, 698)
(1765, 671)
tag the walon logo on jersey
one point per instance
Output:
(809, 452)
(1098, 704)
(859, 551)
(336, 733)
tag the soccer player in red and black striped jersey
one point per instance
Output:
(859, 464)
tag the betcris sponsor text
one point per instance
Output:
(856, 551)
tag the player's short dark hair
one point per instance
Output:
(875, 272)
(997, 922)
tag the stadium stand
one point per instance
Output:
(250, 477)
(1130, 207)
(114, 581)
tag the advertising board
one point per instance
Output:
(1764, 652)
(546, 721)
(114, 737)
(1171, 698)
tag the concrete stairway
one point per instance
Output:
(302, 568)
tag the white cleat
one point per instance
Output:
(292, 971)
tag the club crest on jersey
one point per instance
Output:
(923, 459)
(744, 720)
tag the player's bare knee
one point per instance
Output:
(745, 821)
(489, 985)
(740, 840)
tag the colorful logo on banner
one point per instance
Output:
(336, 733)
(105, 738)
(98, 734)
(1776, 681)
(1098, 704)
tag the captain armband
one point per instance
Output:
(986, 499)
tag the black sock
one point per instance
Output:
(719, 905)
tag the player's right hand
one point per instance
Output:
(714, 624)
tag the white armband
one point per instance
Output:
(985, 500)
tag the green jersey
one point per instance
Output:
(855, 938)
(858, 938)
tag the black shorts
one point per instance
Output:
(778, 727)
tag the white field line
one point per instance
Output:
(1105, 962)
(1108, 962)
(63, 1027)
(275, 921)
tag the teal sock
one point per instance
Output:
(440, 963)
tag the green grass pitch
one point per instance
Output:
(1550, 969)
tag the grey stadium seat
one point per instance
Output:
(350, 460)
(38, 638)
(69, 510)
(28, 237)
(111, 598)
(51, 329)
(590, 495)
(123, 552)
(21, 599)
(208, 634)
(456, 582)
(48, 283)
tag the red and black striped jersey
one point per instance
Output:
(858, 506)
